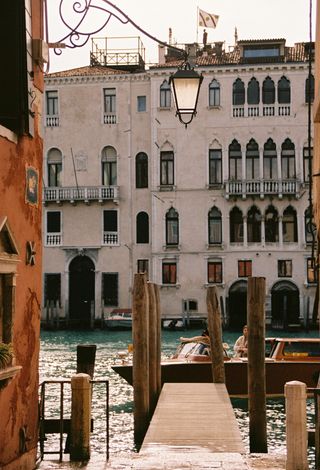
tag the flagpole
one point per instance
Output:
(197, 23)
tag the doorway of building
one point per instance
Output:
(237, 305)
(81, 291)
(285, 309)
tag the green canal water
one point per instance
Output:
(58, 360)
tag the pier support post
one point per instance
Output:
(80, 417)
(140, 370)
(296, 425)
(256, 365)
(158, 346)
(153, 398)
(215, 333)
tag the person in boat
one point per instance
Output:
(241, 345)
(203, 338)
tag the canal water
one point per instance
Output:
(58, 360)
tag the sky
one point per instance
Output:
(254, 19)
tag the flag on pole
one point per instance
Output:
(207, 20)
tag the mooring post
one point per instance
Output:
(152, 349)
(296, 425)
(215, 333)
(256, 365)
(80, 417)
(86, 356)
(140, 336)
(158, 346)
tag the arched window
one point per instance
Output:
(289, 225)
(142, 227)
(54, 160)
(283, 91)
(253, 91)
(254, 225)
(166, 168)
(268, 91)
(309, 89)
(214, 227)
(236, 226)
(172, 227)
(309, 226)
(235, 161)
(271, 224)
(288, 164)
(252, 160)
(238, 93)
(214, 93)
(141, 170)
(270, 166)
(215, 166)
(109, 166)
(165, 95)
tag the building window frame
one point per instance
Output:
(284, 267)
(141, 104)
(215, 167)
(214, 93)
(244, 268)
(166, 168)
(141, 170)
(214, 226)
(312, 272)
(214, 272)
(110, 300)
(172, 227)
(169, 272)
(165, 95)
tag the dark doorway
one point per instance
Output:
(285, 305)
(238, 305)
(81, 291)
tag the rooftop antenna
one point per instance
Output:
(235, 36)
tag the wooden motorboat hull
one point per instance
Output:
(277, 374)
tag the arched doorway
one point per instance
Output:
(238, 305)
(285, 309)
(81, 290)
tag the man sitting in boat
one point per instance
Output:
(203, 338)
(241, 345)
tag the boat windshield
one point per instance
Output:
(303, 349)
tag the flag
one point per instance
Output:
(207, 20)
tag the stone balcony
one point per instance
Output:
(261, 110)
(84, 194)
(262, 188)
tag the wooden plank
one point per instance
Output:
(194, 415)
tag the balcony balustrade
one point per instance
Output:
(110, 118)
(53, 239)
(81, 194)
(261, 110)
(110, 238)
(52, 121)
(262, 188)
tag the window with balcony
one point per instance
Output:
(312, 271)
(141, 170)
(235, 161)
(270, 166)
(309, 89)
(109, 166)
(110, 227)
(244, 268)
(214, 272)
(271, 223)
(214, 93)
(238, 93)
(254, 225)
(284, 268)
(236, 226)
(310, 228)
(53, 228)
(141, 104)
(110, 289)
(253, 92)
(166, 168)
(215, 167)
(289, 225)
(169, 272)
(284, 93)
(54, 161)
(109, 106)
(142, 226)
(143, 266)
(307, 163)
(214, 227)
(172, 227)
(252, 160)
(52, 289)
(52, 108)
(268, 91)
(288, 160)
(165, 95)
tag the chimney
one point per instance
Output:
(170, 36)
(218, 48)
(161, 54)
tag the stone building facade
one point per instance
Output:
(129, 189)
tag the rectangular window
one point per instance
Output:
(52, 288)
(244, 268)
(306, 159)
(143, 266)
(109, 95)
(141, 104)
(214, 272)
(109, 173)
(54, 174)
(52, 103)
(270, 169)
(54, 222)
(215, 167)
(166, 169)
(284, 268)
(169, 272)
(288, 165)
(110, 289)
(110, 221)
(7, 305)
(312, 272)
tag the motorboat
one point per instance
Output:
(287, 359)
(119, 319)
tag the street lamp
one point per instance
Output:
(185, 83)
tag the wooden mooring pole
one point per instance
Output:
(215, 333)
(153, 397)
(158, 336)
(256, 365)
(80, 417)
(140, 336)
